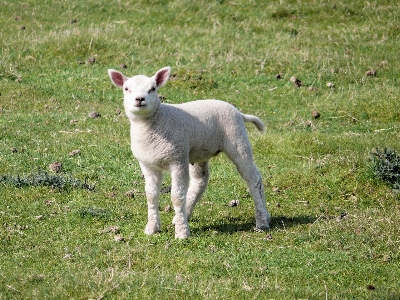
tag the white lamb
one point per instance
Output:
(181, 139)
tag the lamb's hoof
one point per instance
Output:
(262, 227)
(262, 224)
(182, 232)
(152, 229)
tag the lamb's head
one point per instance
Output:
(140, 92)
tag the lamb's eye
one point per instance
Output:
(152, 89)
(126, 89)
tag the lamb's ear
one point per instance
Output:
(161, 77)
(117, 77)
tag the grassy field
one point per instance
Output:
(335, 225)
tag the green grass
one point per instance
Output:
(334, 233)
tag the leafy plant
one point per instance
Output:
(42, 178)
(386, 163)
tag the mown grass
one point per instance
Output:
(334, 231)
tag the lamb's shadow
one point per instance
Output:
(277, 223)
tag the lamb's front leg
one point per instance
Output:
(153, 182)
(180, 182)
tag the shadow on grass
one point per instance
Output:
(282, 222)
(233, 225)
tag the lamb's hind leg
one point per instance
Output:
(242, 158)
(199, 176)
(254, 182)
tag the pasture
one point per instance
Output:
(322, 75)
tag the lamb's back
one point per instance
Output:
(210, 112)
(207, 124)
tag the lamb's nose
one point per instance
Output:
(140, 99)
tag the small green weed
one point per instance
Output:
(94, 212)
(386, 164)
(42, 178)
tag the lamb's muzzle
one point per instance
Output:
(181, 139)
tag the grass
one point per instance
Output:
(334, 231)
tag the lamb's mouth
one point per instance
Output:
(140, 105)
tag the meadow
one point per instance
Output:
(75, 231)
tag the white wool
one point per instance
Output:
(180, 139)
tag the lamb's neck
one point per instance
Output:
(141, 125)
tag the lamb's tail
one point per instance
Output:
(256, 121)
